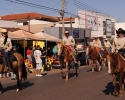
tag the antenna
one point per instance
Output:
(11, 7)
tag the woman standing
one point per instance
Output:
(37, 55)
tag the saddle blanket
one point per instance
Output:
(69, 48)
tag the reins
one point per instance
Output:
(64, 51)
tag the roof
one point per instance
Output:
(30, 15)
(10, 29)
(68, 20)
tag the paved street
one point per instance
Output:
(88, 86)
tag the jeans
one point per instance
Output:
(5, 54)
(6, 57)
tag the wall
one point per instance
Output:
(33, 21)
(120, 25)
(9, 24)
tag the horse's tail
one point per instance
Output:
(24, 71)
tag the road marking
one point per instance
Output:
(102, 75)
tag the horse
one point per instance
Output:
(18, 68)
(116, 66)
(65, 57)
(94, 56)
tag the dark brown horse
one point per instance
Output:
(95, 57)
(18, 68)
(65, 58)
(116, 66)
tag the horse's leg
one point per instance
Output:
(114, 84)
(76, 67)
(121, 84)
(67, 71)
(61, 70)
(1, 88)
(19, 81)
(92, 64)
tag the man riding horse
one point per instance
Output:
(119, 42)
(97, 43)
(5, 47)
(70, 43)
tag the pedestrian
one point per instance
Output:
(33, 58)
(6, 46)
(28, 53)
(44, 60)
(37, 55)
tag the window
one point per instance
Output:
(25, 23)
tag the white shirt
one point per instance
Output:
(118, 43)
(37, 55)
(68, 41)
(107, 44)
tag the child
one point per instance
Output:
(37, 55)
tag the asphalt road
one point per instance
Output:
(87, 86)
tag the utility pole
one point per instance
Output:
(71, 25)
(11, 7)
(62, 13)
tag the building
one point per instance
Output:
(98, 24)
(8, 24)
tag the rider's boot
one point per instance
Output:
(9, 65)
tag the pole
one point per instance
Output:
(11, 7)
(29, 23)
(24, 48)
(71, 25)
(63, 11)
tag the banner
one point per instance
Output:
(92, 19)
(104, 27)
(113, 28)
(108, 26)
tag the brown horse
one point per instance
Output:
(18, 68)
(95, 57)
(65, 58)
(116, 66)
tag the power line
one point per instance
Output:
(86, 7)
(44, 7)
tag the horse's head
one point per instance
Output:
(59, 48)
(88, 50)
(105, 52)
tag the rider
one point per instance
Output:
(69, 41)
(97, 43)
(5, 46)
(107, 44)
(119, 42)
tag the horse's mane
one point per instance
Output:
(94, 53)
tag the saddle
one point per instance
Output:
(13, 58)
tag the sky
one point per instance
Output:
(113, 8)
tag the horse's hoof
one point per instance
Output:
(1, 91)
(17, 90)
(120, 95)
(115, 93)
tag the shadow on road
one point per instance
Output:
(109, 89)
(73, 75)
(14, 87)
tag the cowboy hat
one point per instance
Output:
(3, 30)
(66, 32)
(120, 30)
(106, 39)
